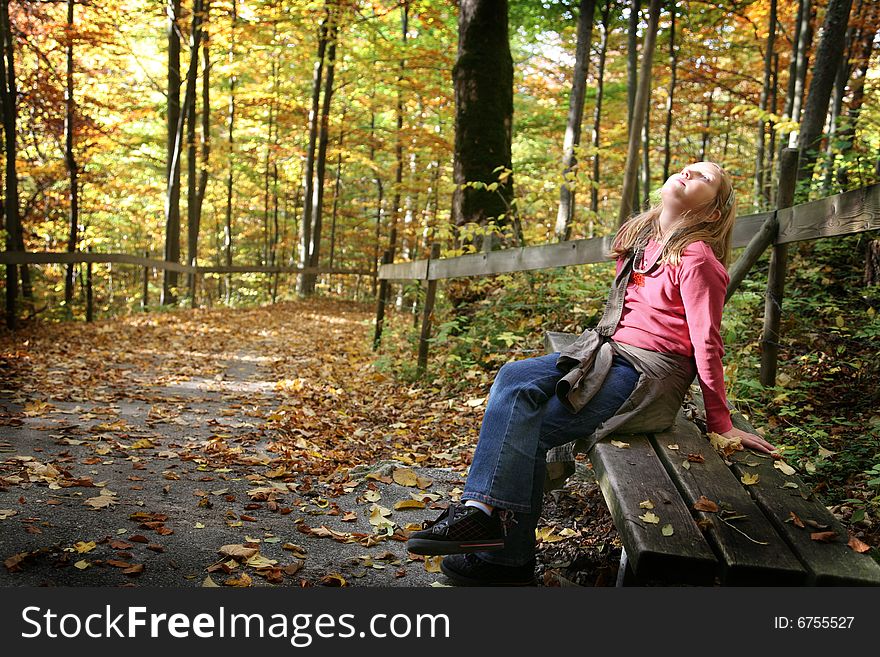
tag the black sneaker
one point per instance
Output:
(459, 528)
(470, 570)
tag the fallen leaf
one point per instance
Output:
(432, 564)
(667, 530)
(82, 564)
(7, 513)
(143, 443)
(795, 519)
(83, 547)
(750, 478)
(724, 446)
(242, 581)
(209, 583)
(404, 477)
(857, 545)
(823, 537)
(784, 467)
(409, 504)
(696, 458)
(647, 504)
(705, 504)
(236, 551)
(620, 444)
(548, 535)
(332, 579)
(673, 446)
(651, 517)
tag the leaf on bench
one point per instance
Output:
(650, 516)
(823, 537)
(749, 479)
(620, 444)
(725, 446)
(667, 530)
(784, 467)
(647, 504)
(857, 545)
(705, 504)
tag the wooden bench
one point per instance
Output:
(753, 539)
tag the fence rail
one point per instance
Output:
(64, 258)
(850, 212)
(855, 211)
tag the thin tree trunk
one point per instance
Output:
(69, 160)
(191, 157)
(769, 187)
(266, 256)
(398, 148)
(323, 140)
(632, 70)
(309, 173)
(206, 144)
(646, 157)
(670, 99)
(227, 236)
(336, 187)
(172, 197)
(707, 122)
(828, 56)
(760, 171)
(572, 139)
(802, 58)
(8, 94)
(597, 115)
(630, 179)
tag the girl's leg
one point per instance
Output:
(524, 446)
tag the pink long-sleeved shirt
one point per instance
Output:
(677, 309)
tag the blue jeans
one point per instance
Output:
(524, 418)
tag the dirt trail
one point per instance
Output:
(133, 450)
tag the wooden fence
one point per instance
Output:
(63, 258)
(850, 212)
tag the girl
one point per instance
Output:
(630, 374)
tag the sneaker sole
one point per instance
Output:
(464, 580)
(432, 548)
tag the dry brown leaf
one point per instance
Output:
(796, 519)
(823, 537)
(705, 504)
(237, 551)
(857, 545)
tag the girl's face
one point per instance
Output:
(691, 188)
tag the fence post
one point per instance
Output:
(380, 303)
(776, 273)
(428, 311)
(89, 305)
(145, 299)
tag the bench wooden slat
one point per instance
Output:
(744, 560)
(629, 476)
(833, 563)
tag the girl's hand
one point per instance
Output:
(750, 440)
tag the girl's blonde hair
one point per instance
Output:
(699, 224)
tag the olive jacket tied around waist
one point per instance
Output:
(654, 402)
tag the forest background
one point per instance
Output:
(323, 133)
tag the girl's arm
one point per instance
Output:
(703, 284)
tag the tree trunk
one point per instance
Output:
(646, 157)
(206, 142)
(769, 187)
(172, 196)
(192, 202)
(70, 162)
(266, 257)
(631, 168)
(704, 147)
(802, 57)
(632, 75)
(398, 147)
(597, 114)
(483, 79)
(572, 140)
(309, 174)
(336, 186)
(670, 99)
(857, 87)
(227, 233)
(760, 171)
(8, 94)
(323, 139)
(828, 56)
